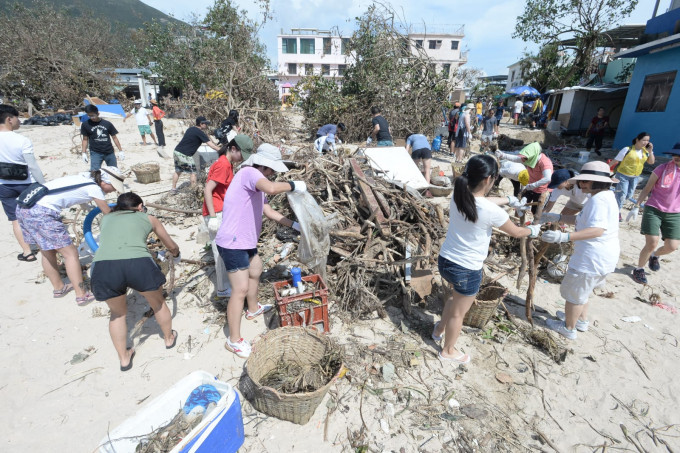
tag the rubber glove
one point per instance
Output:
(295, 226)
(213, 225)
(121, 155)
(85, 158)
(633, 214)
(554, 237)
(535, 230)
(369, 140)
(500, 154)
(550, 217)
(299, 186)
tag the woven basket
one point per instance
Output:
(290, 344)
(148, 172)
(484, 306)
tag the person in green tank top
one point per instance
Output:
(123, 261)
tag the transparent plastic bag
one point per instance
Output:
(315, 243)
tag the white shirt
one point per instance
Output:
(510, 169)
(467, 243)
(13, 146)
(518, 106)
(622, 154)
(142, 116)
(62, 200)
(575, 195)
(599, 255)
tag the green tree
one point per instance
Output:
(552, 21)
(549, 68)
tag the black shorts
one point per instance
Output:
(112, 278)
(422, 153)
(532, 197)
(8, 196)
(236, 259)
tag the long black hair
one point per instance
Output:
(127, 201)
(639, 137)
(478, 168)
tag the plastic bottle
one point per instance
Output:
(296, 272)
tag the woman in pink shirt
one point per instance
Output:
(662, 213)
(237, 237)
(540, 169)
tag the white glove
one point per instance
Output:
(213, 225)
(85, 158)
(295, 226)
(300, 186)
(177, 259)
(515, 202)
(369, 140)
(121, 155)
(633, 214)
(338, 141)
(550, 217)
(500, 154)
(531, 186)
(555, 236)
(535, 230)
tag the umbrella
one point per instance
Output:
(523, 90)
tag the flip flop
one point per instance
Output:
(460, 359)
(57, 293)
(174, 342)
(129, 365)
(29, 258)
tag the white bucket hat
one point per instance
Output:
(595, 171)
(113, 176)
(268, 156)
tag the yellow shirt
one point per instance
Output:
(632, 164)
(479, 108)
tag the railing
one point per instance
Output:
(437, 29)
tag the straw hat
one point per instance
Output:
(595, 171)
(268, 156)
(113, 176)
(154, 102)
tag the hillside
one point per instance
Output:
(128, 13)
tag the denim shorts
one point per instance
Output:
(464, 281)
(236, 259)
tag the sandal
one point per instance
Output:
(87, 298)
(461, 359)
(128, 367)
(57, 293)
(29, 258)
(174, 342)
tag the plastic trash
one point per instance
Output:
(202, 396)
(631, 319)
(315, 243)
(296, 273)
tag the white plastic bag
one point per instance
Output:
(315, 243)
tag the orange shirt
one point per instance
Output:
(157, 113)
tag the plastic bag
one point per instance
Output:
(315, 243)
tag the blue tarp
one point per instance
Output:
(116, 109)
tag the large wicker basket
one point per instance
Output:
(290, 344)
(148, 172)
(484, 306)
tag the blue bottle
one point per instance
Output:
(437, 143)
(296, 272)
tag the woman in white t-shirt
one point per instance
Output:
(596, 247)
(462, 255)
(42, 225)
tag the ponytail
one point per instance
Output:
(476, 171)
(96, 175)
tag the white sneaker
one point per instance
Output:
(581, 326)
(260, 309)
(224, 293)
(559, 327)
(241, 348)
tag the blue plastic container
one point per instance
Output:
(437, 143)
(296, 272)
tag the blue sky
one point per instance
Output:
(488, 25)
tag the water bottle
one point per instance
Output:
(296, 272)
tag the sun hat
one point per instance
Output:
(268, 156)
(245, 144)
(202, 120)
(113, 176)
(560, 176)
(675, 150)
(595, 171)
(154, 102)
(532, 152)
(471, 106)
(138, 101)
(523, 177)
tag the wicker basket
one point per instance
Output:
(148, 172)
(484, 306)
(292, 344)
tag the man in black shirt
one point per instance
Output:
(381, 131)
(184, 152)
(97, 133)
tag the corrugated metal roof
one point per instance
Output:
(670, 41)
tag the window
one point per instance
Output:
(655, 92)
(309, 69)
(446, 69)
(454, 45)
(341, 69)
(326, 46)
(289, 45)
(434, 44)
(419, 43)
(307, 45)
(512, 76)
(325, 69)
(344, 44)
(292, 68)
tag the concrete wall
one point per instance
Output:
(660, 125)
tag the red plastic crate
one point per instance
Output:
(316, 314)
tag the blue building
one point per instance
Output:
(653, 100)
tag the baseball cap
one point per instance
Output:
(245, 144)
(201, 119)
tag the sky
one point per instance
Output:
(488, 25)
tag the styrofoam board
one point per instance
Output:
(395, 163)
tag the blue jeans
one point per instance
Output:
(464, 281)
(96, 160)
(625, 189)
(385, 143)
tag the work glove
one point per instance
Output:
(550, 217)
(515, 202)
(554, 236)
(176, 259)
(85, 158)
(633, 214)
(369, 140)
(121, 155)
(295, 226)
(299, 186)
(213, 225)
(535, 230)
(500, 154)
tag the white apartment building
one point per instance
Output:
(515, 77)
(306, 51)
(443, 44)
